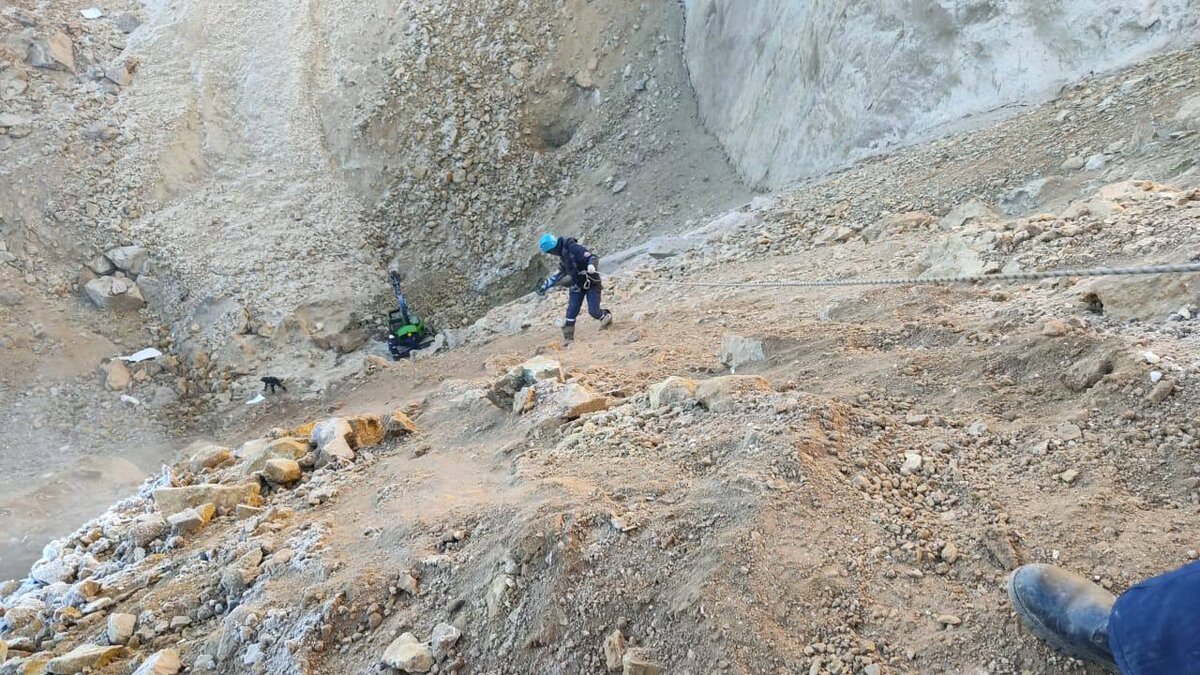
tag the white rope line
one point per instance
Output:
(925, 281)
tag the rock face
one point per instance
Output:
(114, 294)
(737, 351)
(795, 88)
(409, 655)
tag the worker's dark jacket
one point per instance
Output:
(573, 261)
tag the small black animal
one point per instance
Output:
(271, 383)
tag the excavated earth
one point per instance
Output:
(733, 480)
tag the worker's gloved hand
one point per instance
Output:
(591, 269)
(541, 289)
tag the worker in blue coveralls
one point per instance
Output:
(577, 265)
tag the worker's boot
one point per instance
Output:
(606, 320)
(568, 332)
(1066, 610)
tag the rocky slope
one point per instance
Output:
(732, 480)
(848, 500)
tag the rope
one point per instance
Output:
(926, 281)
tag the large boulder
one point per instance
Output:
(672, 391)
(332, 439)
(172, 500)
(114, 294)
(146, 529)
(120, 628)
(60, 569)
(578, 400)
(399, 424)
(282, 471)
(720, 394)
(1146, 298)
(128, 259)
(209, 456)
(255, 454)
(737, 351)
(541, 368)
(193, 519)
(366, 431)
(504, 391)
(409, 655)
(55, 51)
(84, 657)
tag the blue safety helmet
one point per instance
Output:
(547, 243)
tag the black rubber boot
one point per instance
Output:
(1066, 610)
(569, 332)
(606, 320)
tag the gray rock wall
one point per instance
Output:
(795, 87)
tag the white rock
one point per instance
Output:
(165, 662)
(1096, 162)
(409, 655)
(120, 628)
(912, 463)
(737, 351)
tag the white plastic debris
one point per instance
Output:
(91, 13)
(258, 398)
(1155, 376)
(143, 355)
(126, 398)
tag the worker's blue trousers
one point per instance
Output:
(575, 303)
(1154, 628)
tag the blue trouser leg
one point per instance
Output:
(593, 300)
(574, 304)
(1154, 628)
